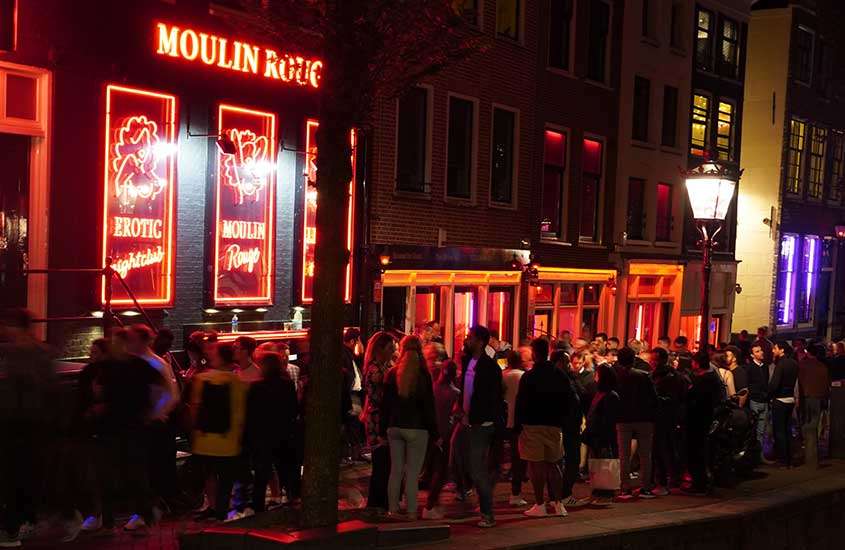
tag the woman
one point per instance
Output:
(376, 363)
(725, 374)
(600, 432)
(446, 395)
(408, 420)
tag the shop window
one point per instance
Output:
(636, 209)
(642, 96)
(700, 125)
(541, 323)
(560, 33)
(795, 156)
(412, 146)
(501, 181)
(837, 167)
(787, 262)
(468, 9)
(554, 165)
(591, 176)
(464, 316)
(641, 321)
(544, 294)
(567, 320)
(802, 59)
(21, 96)
(14, 217)
(809, 273)
(459, 165)
(592, 294)
(817, 159)
(691, 329)
(508, 18)
(500, 312)
(729, 50)
(427, 306)
(704, 39)
(676, 22)
(589, 323)
(663, 222)
(725, 131)
(8, 24)
(597, 40)
(669, 134)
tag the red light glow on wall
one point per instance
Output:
(139, 177)
(309, 215)
(244, 220)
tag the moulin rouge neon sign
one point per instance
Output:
(237, 56)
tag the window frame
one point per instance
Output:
(709, 66)
(474, 142)
(477, 14)
(731, 136)
(734, 68)
(811, 57)
(564, 192)
(605, 80)
(515, 155)
(520, 21)
(629, 215)
(708, 123)
(800, 154)
(637, 117)
(817, 163)
(810, 274)
(670, 218)
(837, 166)
(429, 90)
(787, 277)
(676, 27)
(599, 221)
(570, 47)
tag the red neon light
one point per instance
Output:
(236, 55)
(263, 335)
(138, 189)
(309, 215)
(244, 220)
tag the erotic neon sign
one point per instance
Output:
(237, 56)
(246, 170)
(135, 160)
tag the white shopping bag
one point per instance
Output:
(605, 474)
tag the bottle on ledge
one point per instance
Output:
(235, 322)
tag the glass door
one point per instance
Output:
(14, 219)
(500, 312)
(464, 316)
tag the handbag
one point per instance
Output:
(605, 474)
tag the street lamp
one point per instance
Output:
(710, 187)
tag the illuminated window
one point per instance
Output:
(669, 135)
(554, 165)
(837, 167)
(578, 308)
(591, 175)
(700, 125)
(704, 39)
(500, 312)
(676, 22)
(817, 159)
(507, 18)
(464, 315)
(502, 173)
(8, 24)
(636, 209)
(468, 9)
(729, 50)
(787, 261)
(663, 217)
(560, 33)
(427, 305)
(802, 55)
(459, 165)
(642, 95)
(795, 156)
(597, 40)
(808, 282)
(724, 131)
(412, 146)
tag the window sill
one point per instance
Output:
(650, 41)
(505, 39)
(598, 84)
(666, 244)
(589, 243)
(642, 144)
(501, 205)
(671, 150)
(561, 72)
(401, 193)
(459, 201)
(554, 242)
(680, 52)
(637, 242)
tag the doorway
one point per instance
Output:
(14, 219)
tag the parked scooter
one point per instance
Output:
(733, 441)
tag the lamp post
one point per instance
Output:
(710, 188)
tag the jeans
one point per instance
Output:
(125, 458)
(407, 454)
(781, 415)
(377, 495)
(480, 440)
(571, 461)
(667, 470)
(162, 457)
(811, 411)
(517, 464)
(283, 458)
(643, 432)
(439, 468)
(761, 410)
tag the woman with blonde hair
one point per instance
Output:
(408, 419)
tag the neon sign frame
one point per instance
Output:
(165, 294)
(266, 279)
(309, 230)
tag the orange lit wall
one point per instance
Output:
(139, 176)
(309, 216)
(244, 207)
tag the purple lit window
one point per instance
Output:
(786, 279)
(808, 281)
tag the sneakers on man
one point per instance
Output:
(92, 523)
(647, 494)
(432, 514)
(559, 509)
(573, 502)
(517, 501)
(136, 524)
(486, 522)
(536, 511)
(9, 541)
(233, 515)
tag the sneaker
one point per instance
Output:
(433, 513)
(72, 527)
(625, 495)
(9, 541)
(486, 522)
(661, 491)
(536, 511)
(573, 502)
(135, 523)
(92, 523)
(647, 494)
(560, 509)
(234, 515)
(26, 530)
(517, 501)
(248, 512)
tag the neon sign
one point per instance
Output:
(237, 56)
(309, 216)
(243, 245)
(138, 189)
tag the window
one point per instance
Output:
(669, 135)
(786, 279)
(554, 164)
(500, 312)
(427, 304)
(8, 25)
(468, 9)
(704, 40)
(818, 156)
(642, 94)
(699, 125)
(412, 147)
(802, 59)
(795, 156)
(808, 283)
(459, 165)
(725, 131)
(507, 18)
(591, 174)
(647, 29)
(597, 44)
(560, 32)
(578, 309)
(502, 173)
(464, 315)
(825, 69)
(729, 50)
(676, 23)
(663, 225)
(636, 209)
(837, 167)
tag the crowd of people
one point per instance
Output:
(421, 418)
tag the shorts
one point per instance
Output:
(541, 444)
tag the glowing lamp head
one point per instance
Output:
(384, 260)
(710, 188)
(840, 231)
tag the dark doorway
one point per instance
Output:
(14, 218)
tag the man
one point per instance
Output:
(571, 431)
(483, 408)
(671, 389)
(703, 398)
(353, 429)
(764, 343)
(813, 391)
(613, 344)
(564, 341)
(782, 396)
(758, 393)
(246, 368)
(539, 419)
(510, 380)
(641, 360)
(249, 372)
(664, 342)
(682, 355)
(637, 414)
